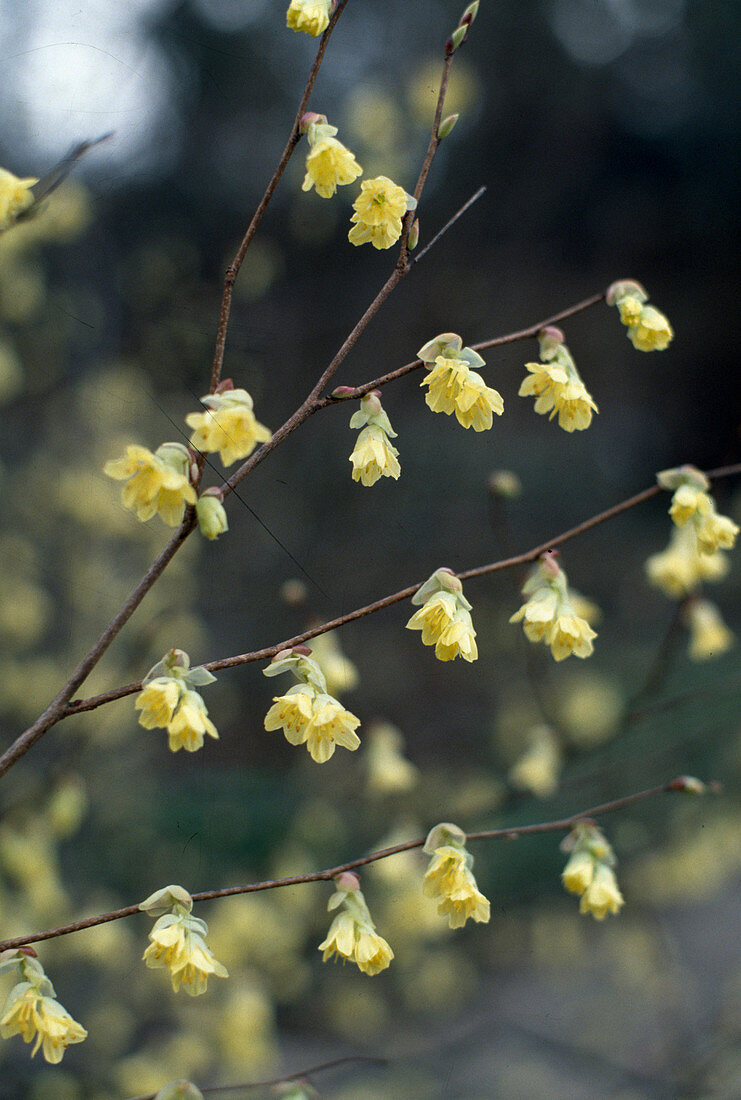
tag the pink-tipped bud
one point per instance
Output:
(224, 385)
(347, 881)
(549, 561)
(622, 287)
(309, 118)
(688, 784)
(343, 391)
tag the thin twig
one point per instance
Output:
(449, 223)
(268, 652)
(678, 784)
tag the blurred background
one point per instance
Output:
(604, 132)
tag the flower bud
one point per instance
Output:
(446, 126)
(211, 515)
(413, 238)
(456, 40)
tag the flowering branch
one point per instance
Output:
(680, 784)
(79, 705)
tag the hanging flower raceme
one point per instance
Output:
(16, 197)
(692, 503)
(228, 426)
(556, 384)
(178, 941)
(379, 208)
(682, 567)
(352, 934)
(156, 483)
(31, 1011)
(373, 456)
(450, 877)
(589, 871)
(454, 387)
(329, 164)
(309, 16)
(548, 616)
(307, 713)
(444, 617)
(648, 329)
(168, 700)
(709, 635)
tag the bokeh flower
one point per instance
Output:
(709, 635)
(16, 197)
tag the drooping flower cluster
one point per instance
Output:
(307, 713)
(444, 617)
(548, 616)
(16, 197)
(682, 567)
(168, 701)
(379, 208)
(709, 635)
(589, 871)
(373, 456)
(177, 941)
(31, 1011)
(450, 877)
(692, 503)
(648, 329)
(556, 384)
(352, 934)
(309, 16)
(329, 164)
(156, 484)
(454, 387)
(228, 425)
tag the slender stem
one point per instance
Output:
(563, 823)
(449, 223)
(233, 270)
(528, 556)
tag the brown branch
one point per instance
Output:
(678, 784)
(233, 270)
(528, 556)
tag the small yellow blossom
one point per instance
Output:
(589, 872)
(559, 394)
(687, 502)
(629, 309)
(291, 713)
(352, 936)
(309, 16)
(445, 617)
(454, 387)
(434, 617)
(211, 515)
(578, 872)
(449, 877)
(709, 635)
(168, 700)
(15, 197)
(680, 568)
(648, 329)
(316, 720)
(602, 896)
(548, 615)
(228, 426)
(458, 639)
(374, 457)
(29, 1014)
(716, 532)
(155, 483)
(329, 164)
(189, 724)
(177, 942)
(379, 208)
(157, 702)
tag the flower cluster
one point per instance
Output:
(352, 934)
(177, 941)
(692, 503)
(648, 329)
(450, 877)
(379, 208)
(454, 387)
(549, 616)
(309, 16)
(329, 164)
(156, 483)
(168, 701)
(589, 871)
(709, 635)
(373, 455)
(16, 197)
(682, 567)
(444, 617)
(307, 713)
(31, 1011)
(556, 384)
(228, 426)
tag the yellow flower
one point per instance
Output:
(291, 713)
(379, 208)
(715, 532)
(680, 568)
(228, 426)
(30, 1014)
(561, 393)
(629, 309)
(352, 935)
(314, 719)
(578, 873)
(457, 639)
(651, 332)
(211, 515)
(570, 634)
(374, 457)
(548, 615)
(709, 635)
(687, 502)
(189, 724)
(15, 197)
(602, 895)
(434, 617)
(455, 388)
(329, 165)
(155, 483)
(177, 943)
(157, 702)
(538, 614)
(446, 379)
(309, 16)
(450, 878)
